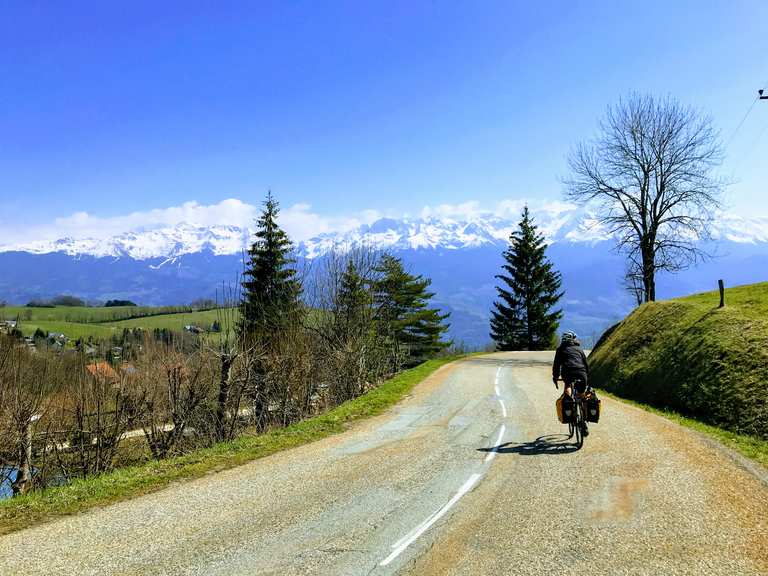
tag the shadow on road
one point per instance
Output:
(551, 444)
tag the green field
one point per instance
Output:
(101, 323)
(87, 315)
(72, 330)
(692, 357)
(171, 321)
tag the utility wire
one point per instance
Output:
(744, 119)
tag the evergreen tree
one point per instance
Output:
(353, 304)
(403, 313)
(271, 290)
(523, 317)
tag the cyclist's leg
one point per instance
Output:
(568, 385)
(580, 384)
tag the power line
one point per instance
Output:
(749, 110)
(744, 119)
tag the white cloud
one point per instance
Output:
(463, 211)
(299, 220)
(230, 211)
(508, 208)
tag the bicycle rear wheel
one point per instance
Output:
(577, 427)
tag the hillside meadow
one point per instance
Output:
(102, 323)
(693, 357)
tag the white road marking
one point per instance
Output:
(498, 392)
(495, 450)
(468, 485)
(400, 546)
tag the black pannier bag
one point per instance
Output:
(566, 411)
(594, 405)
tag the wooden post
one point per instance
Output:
(722, 293)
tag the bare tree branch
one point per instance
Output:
(649, 173)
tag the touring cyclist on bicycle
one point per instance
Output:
(571, 364)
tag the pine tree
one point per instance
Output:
(523, 317)
(403, 313)
(353, 303)
(271, 290)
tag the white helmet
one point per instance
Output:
(569, 336)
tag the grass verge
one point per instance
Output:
(752, 447)
(124, 483)
(691, 356)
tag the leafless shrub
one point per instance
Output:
(172, 391)
(352, 354)
(27, 382)
(92, 413)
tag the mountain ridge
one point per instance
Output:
(172, 265)
(406, 233)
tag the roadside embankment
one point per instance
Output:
(690, 356)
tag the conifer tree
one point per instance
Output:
(271, 290)
(524, 317)
(354, 303)
(403, 314)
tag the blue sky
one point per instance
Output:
(339, 108)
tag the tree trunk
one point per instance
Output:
(649, 274)
(259, 400)
(24, 475)
(223, 397)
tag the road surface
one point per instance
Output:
(471, 474)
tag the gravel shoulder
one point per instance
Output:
(644, 496)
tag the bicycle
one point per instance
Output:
(577, 425)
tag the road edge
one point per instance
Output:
(712, 436)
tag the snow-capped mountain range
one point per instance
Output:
(178, 264)
(571, 226)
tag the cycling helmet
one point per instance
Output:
(569, 336)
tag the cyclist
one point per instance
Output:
(571, 364)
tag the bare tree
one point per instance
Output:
(94, 411)
(235, 355)
(354, 355)
(171, 393)
(650, 175)
(26, 383)
(633, 282)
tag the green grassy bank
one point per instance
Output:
(691, 357)
(123, 483)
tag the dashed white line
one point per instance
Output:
(495, 450)
(399, 546)
(468, 485)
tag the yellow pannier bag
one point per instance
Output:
(564, 408)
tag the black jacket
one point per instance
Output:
(570, 360)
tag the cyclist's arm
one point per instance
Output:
(586, 362)
(557, 364)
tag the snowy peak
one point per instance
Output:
(428, 233)
(142, 244)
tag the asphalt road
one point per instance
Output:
(469, 475)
